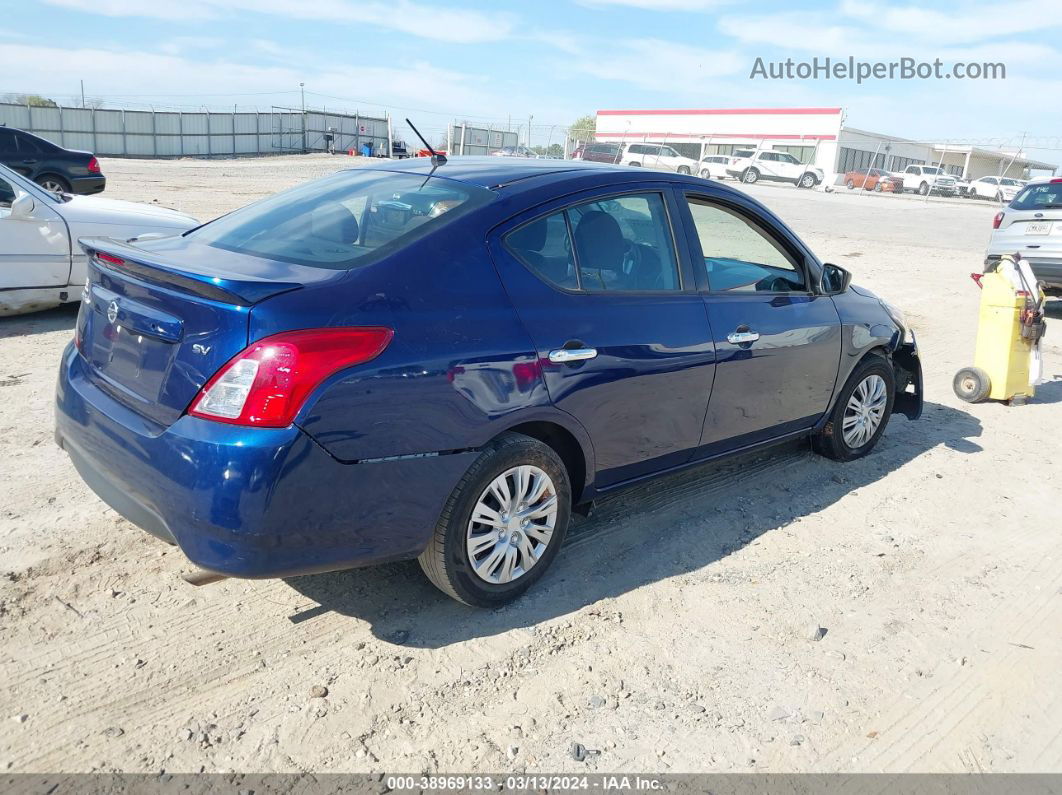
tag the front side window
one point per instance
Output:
(345, 220)
(618, 244)
(738, 256)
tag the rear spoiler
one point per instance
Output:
(123, 258)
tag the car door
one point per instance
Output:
(620, 330)
(35, 249)
(778, 343)
(789, 168)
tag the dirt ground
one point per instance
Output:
(673, 634)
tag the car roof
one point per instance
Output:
(494, 172)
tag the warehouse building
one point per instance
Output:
(816, 136)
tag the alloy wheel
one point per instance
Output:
(512, 524)
(864, 412)
(52, 186)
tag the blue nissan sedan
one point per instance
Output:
(443, 363)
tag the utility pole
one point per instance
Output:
(529, 118)
(82, 93)
(302, 91)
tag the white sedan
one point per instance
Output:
(41, 263)
(1001, 189)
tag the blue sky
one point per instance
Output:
(554, 59)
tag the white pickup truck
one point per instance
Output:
(929, 179)
(752, 166)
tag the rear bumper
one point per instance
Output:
(248, 502)
(85, 186)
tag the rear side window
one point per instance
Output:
(619, 244)
(1042, 196)
(344, 221)
(543, 246)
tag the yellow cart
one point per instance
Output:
(1009, 325)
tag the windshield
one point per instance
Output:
(1038, 197)
(345, 220)
(1009, 181)
(930, 170)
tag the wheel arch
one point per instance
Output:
(575, 453)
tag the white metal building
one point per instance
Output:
(813, 135)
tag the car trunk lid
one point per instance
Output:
(161, 317)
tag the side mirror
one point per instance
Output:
(22, 207)
(835, 279)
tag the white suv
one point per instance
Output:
(659, 156)
(771, 165)
(929, 179)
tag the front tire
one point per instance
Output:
(807, 181)
(503, 524)
(850, 185)
(861, 412)
(634, 163)
(750, 176)
(684, 170)
(923, 189)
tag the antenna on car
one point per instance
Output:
(436, 159)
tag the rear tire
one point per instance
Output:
(750, 176)
(923, 189)
(850, 185)
(972, 384)
(861, 412)
(448, 561)
(633, 163)
(53, 183)
(878, 188)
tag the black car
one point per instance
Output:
(52, 167)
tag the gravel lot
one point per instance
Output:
(674, 633)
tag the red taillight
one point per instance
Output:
(997, 220)
(267, 383)
(94, 166)
(110, 259)
(1056, 180)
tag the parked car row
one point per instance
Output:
(930, 179)
(745, 165)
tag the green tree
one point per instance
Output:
(33, 100)
(583, 128)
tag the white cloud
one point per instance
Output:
(664, 66)
(820, 34)
(148, 75)
(423, 20)
(180, 44)
(661, 5)
(966, 23)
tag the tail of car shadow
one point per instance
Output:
(651, 532)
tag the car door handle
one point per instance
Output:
(564, 355)
(740, 337)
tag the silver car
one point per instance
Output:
(1031, 225)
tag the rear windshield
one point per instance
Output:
(345, 220)
(1042, 196)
